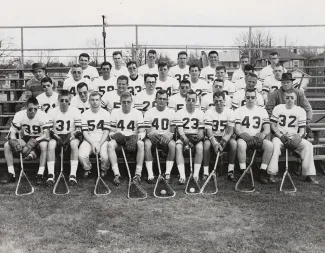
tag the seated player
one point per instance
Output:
(95, 129)
(146, 99)
(190, 127)
(177, 101)
(127, 130)
(252, 126)
(241, 83)
(288, 122)
(106, 82)
(49, 98)
(165, 81)
(33, 124)
(70, 84)
(200, 86)
(228, 86)
(219, 123)
(136, 82)
(273, 82)
(81, 101)
(65, 122)
(160, 126)
(208, 100)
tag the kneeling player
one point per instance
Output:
(34, 125)
(159, 122)
(288, 122)
(127, 130)
(189, 123)
(219, 122)
(252, 126)
(66, 129)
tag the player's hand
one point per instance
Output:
(290, 135)
(216, 146)
(141, 136)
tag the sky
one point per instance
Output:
(171, 12)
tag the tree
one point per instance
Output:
(95, 54)
(139, 53)
(164, 57)
(46, 57)
(194, 58)
(308, 52)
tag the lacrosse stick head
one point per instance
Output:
(163, 189)
(136, 191)
(246, 181)
(210, 186)
(192, 186)
(24, 187)
(101, 187)
(61, 186)
(287, 185)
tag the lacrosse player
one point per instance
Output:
(70, 84)
(34, 86)
(106, 82)
(272, 83)
(268, 70)
(49, 98)
(288, 123)
(136, 82)
(252, 126)
(228, 86)
(160, 126)
(209, 73)
(151, 67)
(88, 71)
(127, 130)
(118, 69)
(239, 73)
(146, 99)
(95, 129)
(181, 70)
(82, 100)
(164, 81)
(242, 83)
(190, 126)
(65, 122)
(33, 124)
(219, 122)
(200, 86)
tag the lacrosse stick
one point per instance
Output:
(135, 190)
(24, 187)
(162, 188)
(287, 184)
(100, 187)
(192, 186)
(61, 186)
(246, 181)
(211, 187)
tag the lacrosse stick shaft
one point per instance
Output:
(61, 159)
(158, 161)
(98, 172)
(216, 162)
(286, 159)
(253, 157)
(126, 163)
(191, 168)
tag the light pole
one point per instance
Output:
(104, 36)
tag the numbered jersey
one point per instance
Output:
(79, 104)
(160, 121)
(30, 127)
(271, 84)
(46, 103)
(289, 120)
(103, 86)
(95, 123)
(143, 101)
(127, 124)
(89, 73)
(201, 87)
(122, 71)
(207, 102)
(218, 122)
(71, 85)
(229, 88)
(177, 102)
(112, 100)
(209, 74)
(251, 120)
(144, 69)
(180, 74)
(63, 123)
(191, 122)
(239, 99)
(171, 85)
(241, 84)
(136, 85)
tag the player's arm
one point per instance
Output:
(305, 105)
(45, 127)
(272, 102)
(28, 92)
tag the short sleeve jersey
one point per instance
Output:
(89, 73)
(122, 71)
(177, 102)
(191, 122)
(136, 85)
(143, 101)
(207, 102)
(46, 103)
(78, 103)
(103, 86)
(111, 100)
(144, 69)
(171, 85)
(209, 74)
(180, 74)
(218, 122)
(239, 99)
(71, 85)
(201, 87)
(271, 84)
(160, 121)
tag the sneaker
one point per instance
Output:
(103, 173)
(9, 178)
(263, 177)
(39, 179)
(181, 181)
(311, 179)
(151, 180)
(117, 180)
(272, 179)
(50, 180)
(205, 177)
(86, 174)
(72, 180)
(231, 177)
(167, 178)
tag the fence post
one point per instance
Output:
(250, 44)
(136, 43)
(22, 61)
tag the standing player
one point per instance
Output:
(241, 83)
(127, 130)
(209, 72)
(181, 70)
(190, 126)
(268, 70)
(106, 82)
(118, 69)
(81, 101)
(239, 73)
(228, 86)
(136, 82)
(34, 86)
(151, 67)
(160, 126)
(34, 125)
(66, 129)
(272, 83)
(219, 122)
(49, 98)
(88, 71)
(70, 84)
(177, 101)
(146, 99)
(201, 87)
(164, 81)
(95, 129)
(252, 126)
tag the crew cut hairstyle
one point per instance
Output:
(244, 56)
(185, 81)
(162, 64)
(213, 52)
(250, 90)
(32, 100)
(81, 85)
(181, 52)
(76, 66)
(249, 67)
(105, 63)
(64, 93)
(117, 52)
(47, 79)
(273, 53)
(130, 63)
(152, 51)
(221, 67)
(219, 94)
(191, 92)
(162, 92)
(126, 94)
(252, 75)
(123, 77)
(95, 93)
(194, 66)
(218, 81)
(150, 75)
(84, 55)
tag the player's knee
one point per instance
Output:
(43, 146)
(268, 146)
(51, 145)
(140, 145)
(179, 148)
(147, 144)
(199, 147)
(111, 146)
(241, 145)
(74, 145)
(6, 146)
(232, 144)
(172, 145)
(206, 145)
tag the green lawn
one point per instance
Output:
(264, 221)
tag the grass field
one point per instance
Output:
(264, 221)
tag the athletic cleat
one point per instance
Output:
(72, 180)
(9, 178)
(50, 180)
(181, 181)
(272, 179)
(151, 180)
(231, 177)
(311, 180)
(117, 180)
(137, 178)
(167, 178)
(205, 177)
(86, 174)
(263, 177)
(39, 179)
(103, 173)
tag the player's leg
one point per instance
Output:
(273, 167)
(180, 161)
(111, 147)
(198, 160)
(241, 153)
(42, 162)
(232, 144)
(170, 159)
(50, 162)
(139, 159)
(148, 159)
(84, 153)
(267, 148)
(74, 153)
(104, 159)
(10, 177)
(206, 159)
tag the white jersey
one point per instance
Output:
(271, 84)
(241, 84)
(95, 123)
(218, 122)
(268, 71)
(251, 120)
(144, 69)
(122, 71)
(209, 74)
(104, 86)
(46, 102)
(127, 124)
(238, 74)
(82, 106)
(89, 73)
(171, 85)
(111, 100)
(160, 121)
(239, 99)
(30, 127)
(191, 122)
(289, 120)
(136, 85)
(143, 101)
(207, 102)
(71, 85)
(180, 74)
(63, 123)
(201, 87)
(229, 87)
(177, 102)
